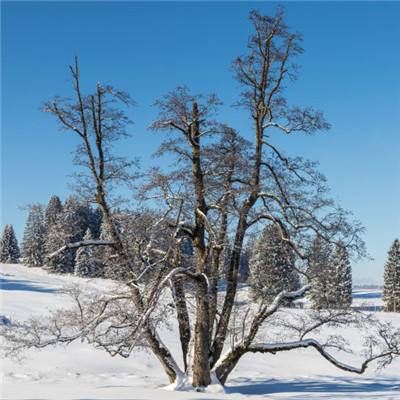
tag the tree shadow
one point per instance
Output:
(24, 285)
(252, 387)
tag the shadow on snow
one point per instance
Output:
(24, 285)
(251, 387)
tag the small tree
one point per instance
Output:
(344, 283)
(391, 279)
(9, 250)
(53, 239)
(322, 275)
(271, 266)
(33, 244)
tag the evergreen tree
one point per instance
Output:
(9, 250)
(110, 265)
(33, 244)
(54, 241)
(391, 279)
(52, 211)
(74, 223)
(271, 266)
(95, 219)
(322, 276)
(344, 284)
(75, 219)
(53, 238)
(244, 267)
(67, 226)
(86, 264)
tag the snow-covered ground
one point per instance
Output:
(80, 372)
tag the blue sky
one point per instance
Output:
(350, 70)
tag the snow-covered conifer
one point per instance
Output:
(86, 264)
(9, 250)
(271, 266)
(103, 256)
(391, 280)
(67, 226)
(52, 211)
(244, 267)
(344, 284)
(33, 243)
(322, 275)
(53, 238)
(94, 220)
(74, 223)
(75, 217)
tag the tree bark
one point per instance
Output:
(183, 319)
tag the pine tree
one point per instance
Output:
(52, 211)
(53, 239)
(102, 255)
(344, 284)
(322, 276)
(9, 250)
(33, 244)
(67, 226)
(244, 267)
(75, 216)
(391, 280)
(271, 266)
(95, 219)
(110, 266)
(86, 264)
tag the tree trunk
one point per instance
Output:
(222, 328)
(170, 366)
(226, 367)
(201, 365)
(183, 319)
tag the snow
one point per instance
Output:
(78, 371)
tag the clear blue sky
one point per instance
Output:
(351, 70)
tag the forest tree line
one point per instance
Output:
(267, 266)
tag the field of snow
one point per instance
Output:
(79, 371)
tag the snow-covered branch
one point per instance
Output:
(281, 298)
(275, 347)
(77, 245)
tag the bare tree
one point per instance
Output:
(98, 123)
(227, 186)
(223, 188)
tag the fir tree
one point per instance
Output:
(52, 211)
(344, 284)
(109, 265)
(322, 276)
(33, 244)
(67, 226)
(94, 221)
(271, 266)
(86, 264)
(9, 250)
(244, 267)
(75, 219)
(391, 280)
(53, 239)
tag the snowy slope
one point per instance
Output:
(80, 372)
